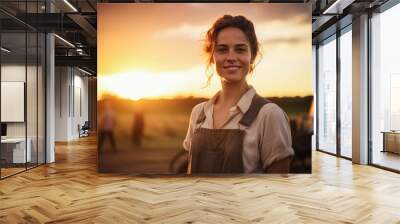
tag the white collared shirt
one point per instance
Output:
(267, 139)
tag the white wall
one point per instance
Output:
(71, 94)
(61, 115)
(33, 126)
(12, 73)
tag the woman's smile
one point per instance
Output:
(232, 68)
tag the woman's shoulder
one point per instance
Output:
(197, 109)
(272, 110)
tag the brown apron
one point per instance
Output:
(220, 150)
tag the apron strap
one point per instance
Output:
(256, 104)
(201, 117)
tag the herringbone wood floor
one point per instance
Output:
(71, 191)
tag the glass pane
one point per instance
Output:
(41, 6)
(312, 112)
(41, 98)
(13, 87)
(31, 97)
(386, 89)
(327, 96)
(31, 84)
(346, 94)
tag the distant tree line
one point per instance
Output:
(291, 105)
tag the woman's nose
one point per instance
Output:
(231, 56)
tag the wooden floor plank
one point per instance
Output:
(71, 191)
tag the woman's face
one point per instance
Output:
(232, 55)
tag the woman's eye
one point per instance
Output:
(221, 50)
(241, 50)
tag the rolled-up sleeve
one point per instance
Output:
(275, 140)
(192, 121)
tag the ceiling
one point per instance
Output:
(76, 22)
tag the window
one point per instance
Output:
(346, 93)
(385, 88)
(22, 68)
(327, 95)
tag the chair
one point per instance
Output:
(84, 130)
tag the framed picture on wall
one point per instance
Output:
(162, 71)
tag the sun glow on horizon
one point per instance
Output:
(136, 85)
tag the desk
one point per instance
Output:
(13, 150)
(391, 141)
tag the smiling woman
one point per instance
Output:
(236, 131)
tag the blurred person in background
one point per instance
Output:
(107, 125)
(138, 127)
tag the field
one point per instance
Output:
(164, 129)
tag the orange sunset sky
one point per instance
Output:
(150, 50)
